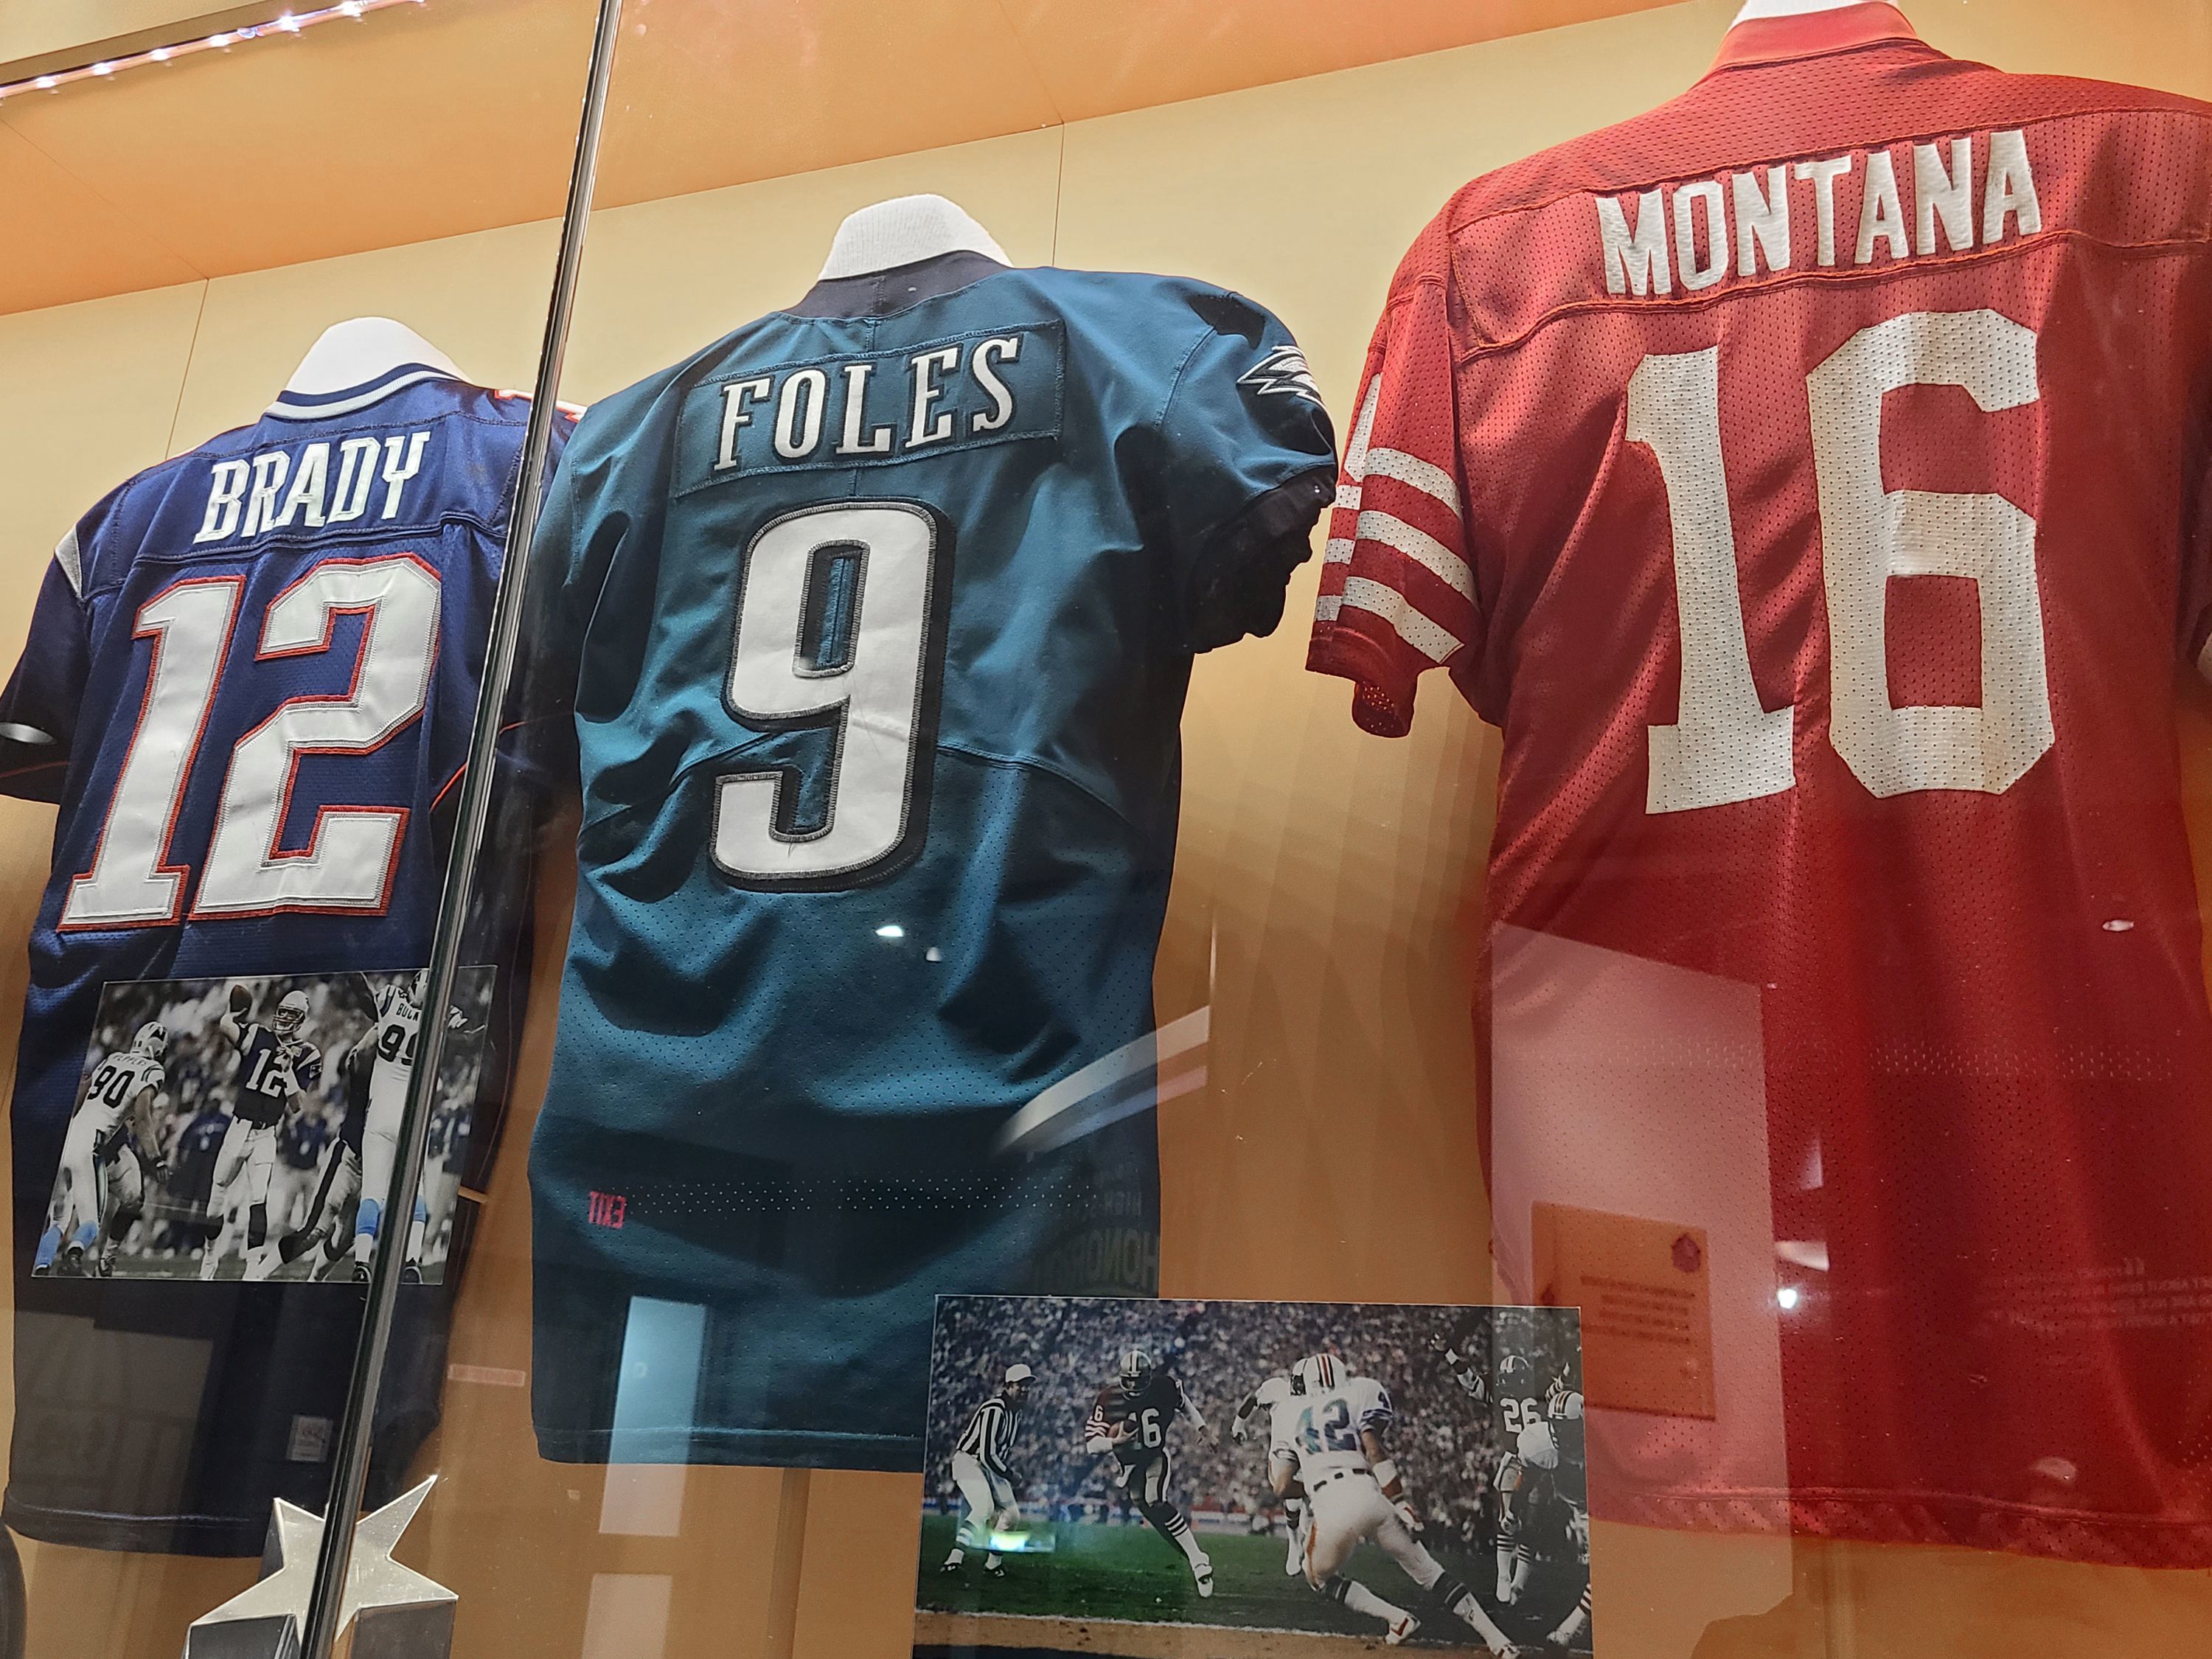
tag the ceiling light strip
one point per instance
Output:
(290, 22)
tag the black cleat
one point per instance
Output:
(994, 1570)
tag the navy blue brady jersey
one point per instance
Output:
(249, 678)
(875, 620)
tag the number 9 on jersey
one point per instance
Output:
(840, 625)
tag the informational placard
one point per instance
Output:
(1251, 1480)
(1644, 1288)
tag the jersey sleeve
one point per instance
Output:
(1398, 589)
(1098, 1425)
(38, 711)
(1371, 1409)
(1243, 468)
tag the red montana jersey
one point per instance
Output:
(1808, 478)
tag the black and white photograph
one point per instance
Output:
(1115, 1475)
(247, 1128)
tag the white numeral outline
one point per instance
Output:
(130, 882)
(1725, 747)
(883, 699)
(245, 872)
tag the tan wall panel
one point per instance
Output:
(720, 92)
(663, 279)
(480, 298)
(89, 394)
(1093, 63)
(2166, 44)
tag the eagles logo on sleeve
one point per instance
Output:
(1282, 374)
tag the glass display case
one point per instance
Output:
(745, 900)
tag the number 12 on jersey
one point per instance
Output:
(352, 852)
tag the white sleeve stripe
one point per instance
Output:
(1415, 474)
(1363, 432)
(1347, 497)
(1424, 549)
(1339, 551)
(67, 556)
(1435, 642)
(1327, 606)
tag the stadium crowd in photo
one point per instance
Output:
(1082, 1549)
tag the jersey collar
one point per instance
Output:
(1808, 34)
(291, 405)
(882, 292)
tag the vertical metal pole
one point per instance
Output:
(349, 1471)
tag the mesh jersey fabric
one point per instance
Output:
(1807, 477)
(876, 618)
(166, 1415)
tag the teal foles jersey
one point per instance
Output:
(875, 620)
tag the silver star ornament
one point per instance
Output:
(395, 1612)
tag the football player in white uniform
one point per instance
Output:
(275, 1063)
(980, 1470)
(389, 1050)
(102, 1183)
(1260, 1405)
(1326, 1434)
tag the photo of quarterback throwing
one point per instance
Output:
(244, 1128)
(1292, 1478)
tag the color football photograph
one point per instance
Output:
(1158, 1479)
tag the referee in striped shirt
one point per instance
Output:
(979, 1469)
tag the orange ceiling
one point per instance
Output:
(461, 115)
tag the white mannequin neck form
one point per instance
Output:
(1756, 9)
(903, 231)
(354, 353)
